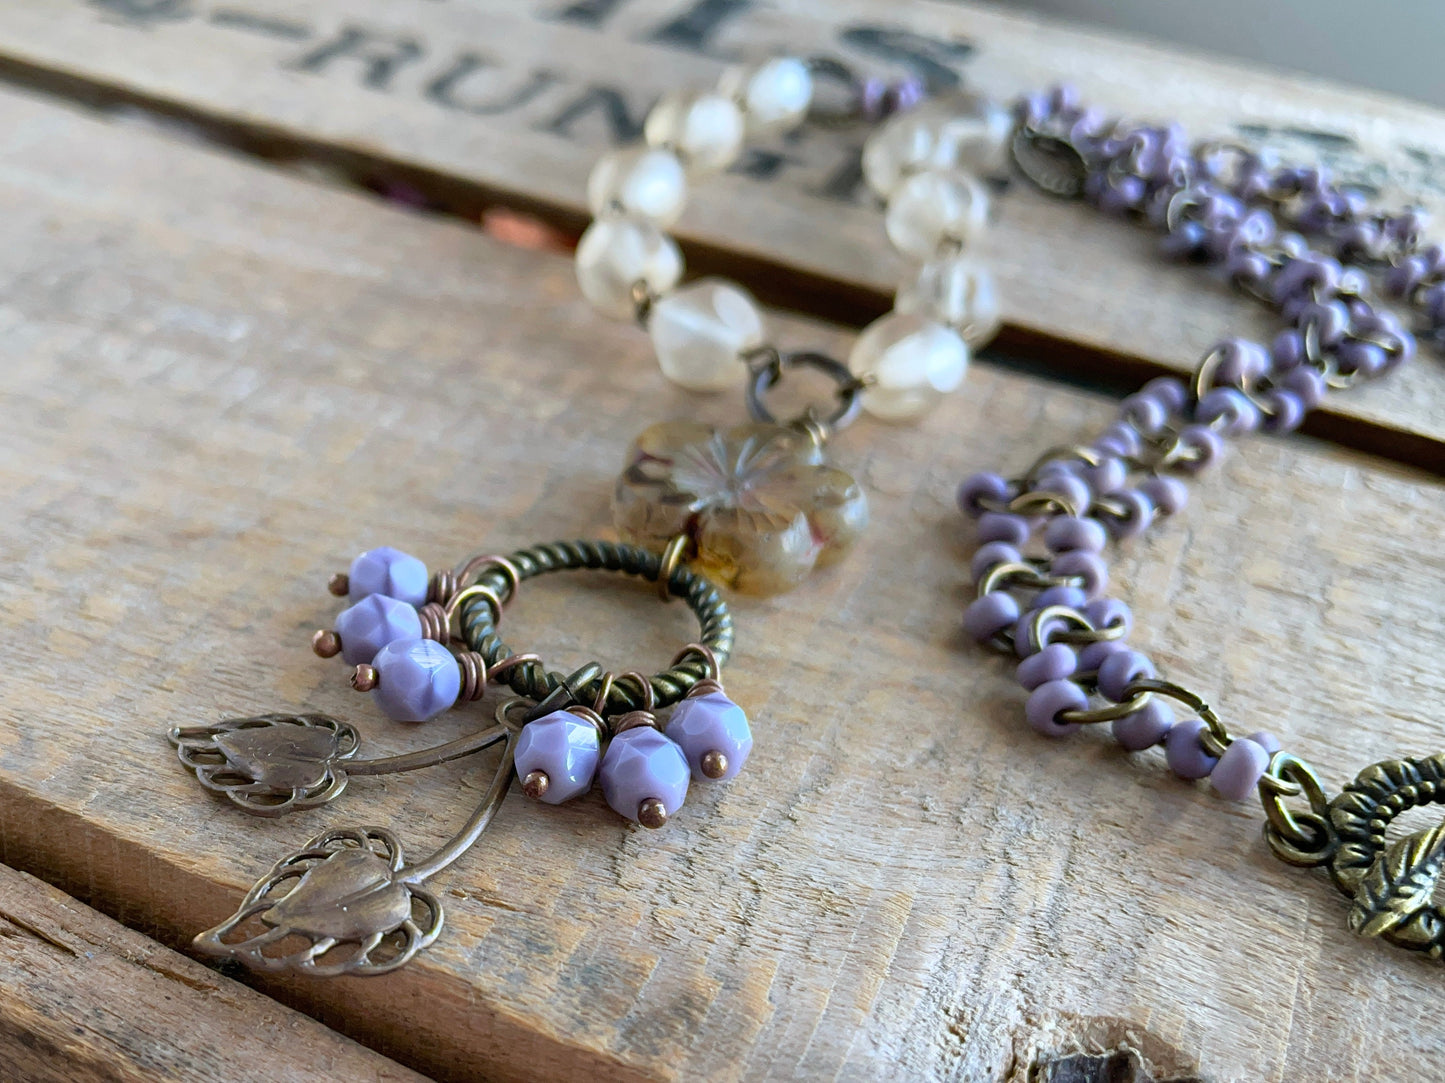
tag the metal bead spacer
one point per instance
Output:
(364, 679)
(339, 584)
(652, 813)
(536, 784)
(326, 643)
(714, 764)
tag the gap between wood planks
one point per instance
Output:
(789, 289)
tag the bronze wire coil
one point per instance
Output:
(534, 681)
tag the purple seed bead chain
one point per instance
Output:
(1285, 236)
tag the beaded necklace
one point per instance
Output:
(1291, 239)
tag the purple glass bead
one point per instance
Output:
(1088, 566)
(1287, 350)
(1066, 485)
(1109, 475)
(563, 747)
(996, 526)
(391, 572)
(1125, 437)
(1248, 267)
(1170, 391)
(1286, 411)
(1138, 514)
(1231, 407)
(981, 487)
(989, 615)
(1110, 613)
(642, 765)
(1168, 494)
(1093, 655)
(1145, 727)
(1047, 700)
(1365, 358)
(1308, 384)
(1025, 643)
(1266, 740)
(712, 723)
(416, 679)
(1308, 273)
(1066, 533)
(1186, 241)
(1055, 662)
(1206, 444)
(371, 624)
(1240, 361)
(1239, 770)
(1145, 412)
(1118, 670)
(991, 554)
(1186, 756)
(1402, 278)
(1072, 597)
(1330, 320)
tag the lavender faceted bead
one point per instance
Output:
(1146, 727)
(563, 747)
(995, 526)
(1186, 756)
(1066, 533)
(1090, 567)
(1118, 670)
(416, 679)
(989, 615)
(1239, 770)
(391, 572)
(372, 623)
(643, 765)
(1047, 700)
(711, 723)
(1056, 662)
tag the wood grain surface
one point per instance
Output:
(83, 998)
(220, 382)
(513, 101)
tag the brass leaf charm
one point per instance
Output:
(341, 905)
(1394, 898)
(272, 763)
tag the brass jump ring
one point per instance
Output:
(671, 559)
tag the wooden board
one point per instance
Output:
(513, 100)
(82, 998)
(220, 382)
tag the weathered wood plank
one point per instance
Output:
(219, 382)
(83, 998)
(513, 101)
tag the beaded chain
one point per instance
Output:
(1290, 238)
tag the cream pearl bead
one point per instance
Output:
(698, 332)
(954, 290)
(775, 95)
(616, 253)
(706, 130)
(932, 207)
(644, 181)
(910, 363)
(964, 131)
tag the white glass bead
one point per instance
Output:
(706, 130)
(932, 207)
(956, 291)
(699, 330)
(643, 181)
(911, 363)
(615, 253)
(775, 95)
(963, 131)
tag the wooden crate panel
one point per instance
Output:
(514, 100)
(220, 382)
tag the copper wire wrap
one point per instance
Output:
(434, 623)
(643, 686)
(706, 653)
(476, 674)
(446, 585)
(632, 720)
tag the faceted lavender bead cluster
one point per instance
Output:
(641, 765)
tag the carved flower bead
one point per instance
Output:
(416, 679)
(641, 765)
(758, 501)
(713, 733)
(563, 747)
(388, 571)
(372, 623)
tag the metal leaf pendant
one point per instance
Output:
(270, 764)
(343, 904)
(1395, 898)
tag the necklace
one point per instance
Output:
(1291, 239)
